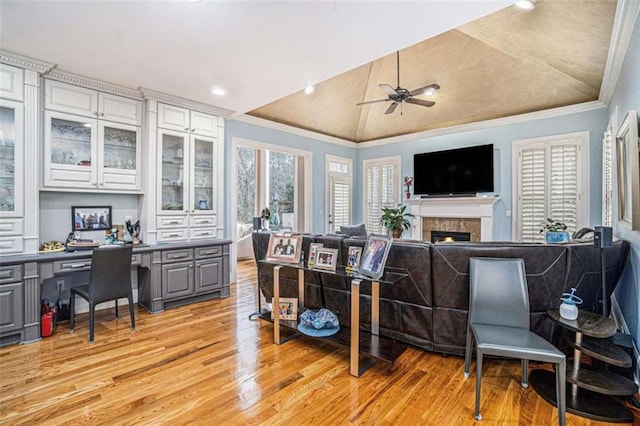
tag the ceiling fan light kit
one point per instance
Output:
(400, 95)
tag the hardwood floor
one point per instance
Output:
(208, 364)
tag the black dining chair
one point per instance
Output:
(499, 324)
(109, 279)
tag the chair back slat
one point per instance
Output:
(498, 293)
(110, 273)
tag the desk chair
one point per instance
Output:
(110, 279)
(499, 323)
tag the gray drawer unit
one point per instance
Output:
(177, 255)
(74, 265)
(206, 252)
(10, 274)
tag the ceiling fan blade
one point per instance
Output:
(372, 102)
(420, 102)
(390, 90)
(391, 108)
(421, 90)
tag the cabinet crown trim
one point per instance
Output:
(90, 83)
(26, 62)
(154, 95)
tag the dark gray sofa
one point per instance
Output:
(429, 307)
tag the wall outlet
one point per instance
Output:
(507, 213)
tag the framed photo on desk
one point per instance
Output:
(375, 255)
(90, 218)
(284, 247)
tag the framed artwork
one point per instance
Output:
(354, 253)
(313, 251)
(90, 218)
(628, 167)
(284, 247)
(287, 308)
(326, 259)
(375, 255)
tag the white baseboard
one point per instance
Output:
(622, 325)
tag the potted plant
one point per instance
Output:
(395, 220)
(554, 231)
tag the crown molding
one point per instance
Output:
(522, 118)
(487, 124)
(26, 62)
(627, 12)
(89, 83)
(294, 130)
(154, 95)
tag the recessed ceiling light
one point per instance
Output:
(430, 91)
(193, 1)
(218, 91)
(87, 124)
(525, 4)
(308, 90)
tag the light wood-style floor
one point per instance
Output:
(208, 364)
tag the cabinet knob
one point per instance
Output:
(193, 130)
(102, 114)
(94, 183)
(186, 129)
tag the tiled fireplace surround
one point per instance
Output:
(463, 214)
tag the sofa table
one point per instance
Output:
(371, 345)
(588, 395)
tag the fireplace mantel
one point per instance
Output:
(455, 207)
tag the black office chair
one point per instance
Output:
(110, 279)
(499, 323)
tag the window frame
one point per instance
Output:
(395, 161)
(330, 177)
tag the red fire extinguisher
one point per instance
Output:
(47, 318)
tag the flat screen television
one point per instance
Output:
(454, 172)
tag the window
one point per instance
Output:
(382, 189)
(607, 176)
(339, 185)
(550, 181)
(275, 177)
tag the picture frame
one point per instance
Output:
(284, 247)
(287, 309)
(375, 255)
(354, 254)
(326, 259)
(90, 218)
(628, 168)
(313, 251)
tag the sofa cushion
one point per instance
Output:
(353, 230)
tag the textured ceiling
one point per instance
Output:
(507, 63)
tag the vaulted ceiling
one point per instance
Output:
(507, 63)
(491, 59)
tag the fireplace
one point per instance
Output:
(449, 236)
(465, 214)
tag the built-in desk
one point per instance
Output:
(169, 275)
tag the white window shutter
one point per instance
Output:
(607, 177)
(374, 202)
(532, 195)
(563, 190)
(341, 213)
(549, 182)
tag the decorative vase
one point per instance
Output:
(556, 236)
(396, 233)
(408, 195)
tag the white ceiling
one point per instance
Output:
(259, 51)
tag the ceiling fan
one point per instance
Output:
(400, 95)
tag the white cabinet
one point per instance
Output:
(188, 184)
(11, 176)
(183, 120)
(78, 100)
(188, 173)
(11, 83)
(92, 140)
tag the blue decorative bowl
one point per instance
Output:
(556, 236)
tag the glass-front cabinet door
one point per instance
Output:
(70, 150)
(174, 158)
(120, 154)
(11, 160)
(203, 176)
